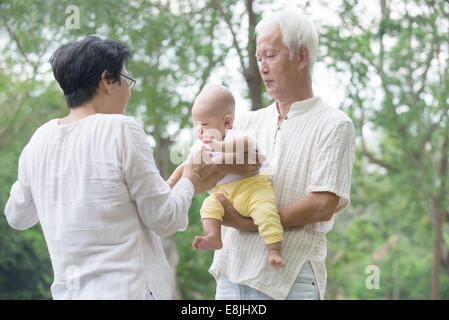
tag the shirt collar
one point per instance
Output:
(298, 107)
(304, 105)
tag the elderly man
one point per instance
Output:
(310, 147)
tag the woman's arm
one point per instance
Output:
(160, 208)
(176, 176)
(20, 210)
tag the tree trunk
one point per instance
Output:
(171, 252)
(169, 243)
(437, 216)
(253, 80)
(250, 69)
(436, 257)
(437, 206)
(251, 73)
(162, 156)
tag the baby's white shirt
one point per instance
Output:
(230, 134)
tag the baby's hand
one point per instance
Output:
(214, 145)
(207, 139)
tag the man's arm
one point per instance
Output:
(238, 144)
(244, 164)
(314, 207)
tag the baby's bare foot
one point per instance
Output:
(275, 259)
(209, 242)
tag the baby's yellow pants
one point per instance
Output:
(252, 197)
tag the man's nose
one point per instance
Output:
(263, 67)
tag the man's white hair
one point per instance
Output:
(297, 30)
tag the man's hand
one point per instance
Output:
(243, 164)
(232, 218)
(213, 145)
(200, 170)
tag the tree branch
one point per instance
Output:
(15, 40)
(251, 48)
(15, 112)
(235, 43)
(207, 71)
(365, 151)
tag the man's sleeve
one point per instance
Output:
(241, 121)
(333, 161)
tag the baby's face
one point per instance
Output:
(207, 123)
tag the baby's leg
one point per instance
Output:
(271, 231)
(212, 239)
(274, 254)
(265, 215)
(211, 216)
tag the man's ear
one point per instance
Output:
(302, 57)
(105, 84)
(229, 121)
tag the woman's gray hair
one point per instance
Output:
(297, 30)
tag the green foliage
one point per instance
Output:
(25, 268)
(395, 56)
(395, 60)
(194, 280)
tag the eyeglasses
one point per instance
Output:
(131, 81)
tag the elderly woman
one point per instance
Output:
(91, 181)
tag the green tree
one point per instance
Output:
(26, 101)
(397, 65)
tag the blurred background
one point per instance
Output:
(383, 62)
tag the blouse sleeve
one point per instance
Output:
(20, 210)
(333, 161)
(163, 210)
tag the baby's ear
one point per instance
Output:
(229, 121)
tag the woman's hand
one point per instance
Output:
(200, 170)
(232, 218)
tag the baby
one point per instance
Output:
(213, 116)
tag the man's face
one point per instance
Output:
(279, 73)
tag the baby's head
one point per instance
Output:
(213, 112)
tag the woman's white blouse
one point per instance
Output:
(94, 187)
